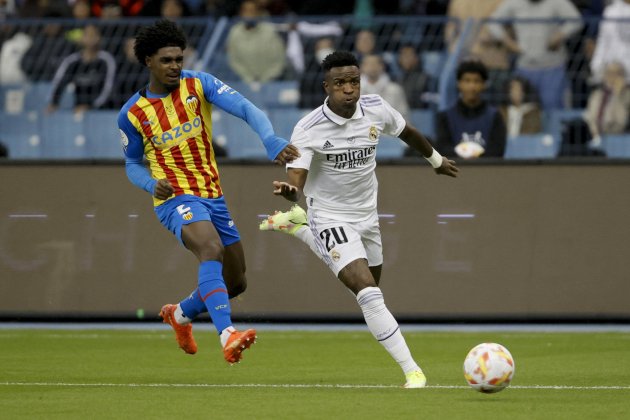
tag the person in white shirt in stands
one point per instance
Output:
(336, 173)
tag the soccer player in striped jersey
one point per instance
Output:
(338, 142)
(169, 122)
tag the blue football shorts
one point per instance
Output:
(186, 209)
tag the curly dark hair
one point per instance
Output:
(472, 66)
(162, 33)
(339, 59)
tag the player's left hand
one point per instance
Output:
(286, 190)
(287, 155)
(448, 168)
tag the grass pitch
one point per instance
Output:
(54, 374)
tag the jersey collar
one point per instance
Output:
(339, 120)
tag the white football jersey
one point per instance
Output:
(340, 156)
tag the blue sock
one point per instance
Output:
(193, 305)
(214, 294)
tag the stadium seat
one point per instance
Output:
(617, 146)
(390, 148)
(433, 62)
(280, 94)
(532, 146)
(284, 120)
(424, 120)
(21, 134)
(241, 141)
(102, 135)
(64, 136)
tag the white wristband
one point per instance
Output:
(435, 159)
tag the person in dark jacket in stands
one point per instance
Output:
(92, 71)
(471, 127)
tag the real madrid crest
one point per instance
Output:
(373, 133)
(335, 255)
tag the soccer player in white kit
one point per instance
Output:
(336, 174)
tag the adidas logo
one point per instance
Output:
(327, 145)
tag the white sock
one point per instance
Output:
(225, 334)
(385, 328)
(180, 318)
(305, 234)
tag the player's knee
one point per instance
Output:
(209, 251)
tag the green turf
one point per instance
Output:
(59, 364)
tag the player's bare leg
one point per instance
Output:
(234, 269)
(357, 277)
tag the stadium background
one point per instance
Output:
(533, 236)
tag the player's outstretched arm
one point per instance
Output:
(417, 141)
(291, 190)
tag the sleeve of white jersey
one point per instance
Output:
(394, 121)
(300, 139)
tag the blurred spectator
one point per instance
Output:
(301, 7)
(483, 46)
(581, 47)
(312, 92)
(613, 41)
(256, 53)
(540, 45)
(111, 9)
(608, 108)
(424, 7)
(295, 49)
(522, 114)
(364, 44)
(471, 127)
(412, 79)
(80, 12)
(91, 70)
(165, 8)
(374, 80)
(131, 76)
(43, 8)
(11, 54)
(7, 9)
(48, 49)
(173, 10)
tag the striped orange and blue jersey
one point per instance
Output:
(174, 132)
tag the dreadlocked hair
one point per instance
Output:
(162, 33)
(339, 59)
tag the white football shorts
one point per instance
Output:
(340, 243)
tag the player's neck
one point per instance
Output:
(344, 112)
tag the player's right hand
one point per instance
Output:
(448, 168)
(287, 155)
(163, 189)
(286, 190)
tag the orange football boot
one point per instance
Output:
(183, 333)
(237, 343)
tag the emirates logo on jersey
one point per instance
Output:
(373, 135)
(192, 103)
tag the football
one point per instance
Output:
(489, 367)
